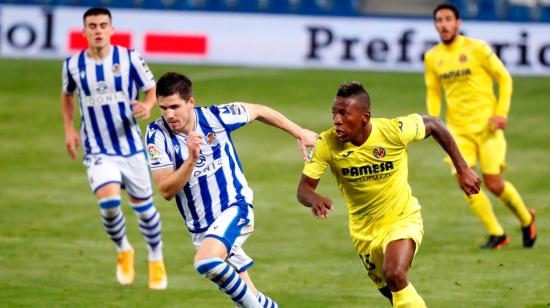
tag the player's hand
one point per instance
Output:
(72, 142)
(306, 141)
(321, 207)
(497, 122)
(141, 110)
(194, 141)
(469, 181)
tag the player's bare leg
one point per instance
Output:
(397, 261)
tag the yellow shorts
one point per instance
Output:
(372, 253)
(489, 148)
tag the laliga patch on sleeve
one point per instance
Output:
(153, 153)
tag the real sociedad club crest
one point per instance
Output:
(211, 139)
(116, 70)
(379, 152)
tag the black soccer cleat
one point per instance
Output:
(530, 232)
(496, 242)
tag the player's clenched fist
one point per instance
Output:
(194, 141)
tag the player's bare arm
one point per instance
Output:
(169, 181)
(468, 180)
(72, 138)
(306, 138)
(320, 205)
(142, 110)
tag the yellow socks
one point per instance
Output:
(407, 298)
(482, 207)
(513, 201)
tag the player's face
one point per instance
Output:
(349, 119)
(446, 25)
(177, 112)
(98, 31)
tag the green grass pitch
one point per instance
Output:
(54, 252)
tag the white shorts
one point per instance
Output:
(131, 172)
(232, 228)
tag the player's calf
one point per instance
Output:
(228, 280)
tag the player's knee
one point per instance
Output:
(495, 186)
(209, 267)
(396, 276)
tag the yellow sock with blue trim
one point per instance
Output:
(407, 298)
(481, 206)
(513, 201)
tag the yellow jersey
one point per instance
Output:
(372, 177)
(465, 70)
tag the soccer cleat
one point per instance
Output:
(530, 232)
(125, 267)
(496, 242)
(157, 275)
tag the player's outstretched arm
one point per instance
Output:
(72, 138)
(169, 181)
(320, 206)
(306, 138)
(468, 180)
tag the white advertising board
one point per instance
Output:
(266, 40)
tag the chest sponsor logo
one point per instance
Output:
(105, 98)
(101, 87)
(208, 168)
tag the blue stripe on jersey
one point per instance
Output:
(82, 73)
(186, 189)
(84, 128)
(134, 71)
(100, 75)
(238, 186)
(228, 127)
(127, 127)
(206, 199)
(180, 207)
(111, 128)
(220, 175)
(72, 84)
(117, 73)
(95, 128)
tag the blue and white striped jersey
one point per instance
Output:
(105, 89)
(217, 180)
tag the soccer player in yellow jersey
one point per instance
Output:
(465, 68)
(368, 157)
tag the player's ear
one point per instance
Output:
(366, 117)
(191, 101)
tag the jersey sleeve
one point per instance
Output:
(433, 87)
(232, 115)
(316, 166)
(411, 128)
(492, 64)
(157, 148)
(69, 85)
(141, 72)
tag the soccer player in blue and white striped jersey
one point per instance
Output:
(193, 159)
(107, 80)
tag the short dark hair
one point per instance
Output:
(96, 11)
(175, 83)
(354, 88)
(447, 6)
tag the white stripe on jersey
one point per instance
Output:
(105, 89)
(217, 180)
